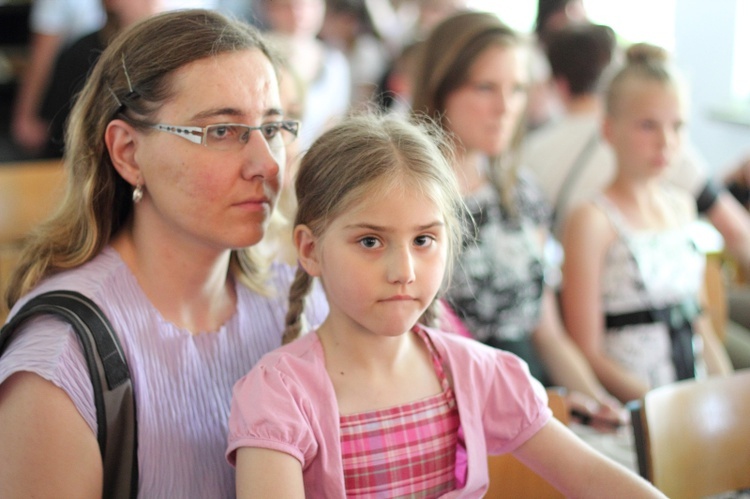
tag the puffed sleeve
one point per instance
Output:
(501, 405)
(517, 404)
(271, 410)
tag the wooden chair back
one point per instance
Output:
(29, 192)
(693, 437)
(510, 478)
(717, 306)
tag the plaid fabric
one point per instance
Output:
(404, 451)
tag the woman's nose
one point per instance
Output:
(262, 159)
(501, 101)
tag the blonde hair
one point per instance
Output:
(373, 152)
(131, 79)
(444, 62)
(644, 62)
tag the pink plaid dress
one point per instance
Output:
(403, 451)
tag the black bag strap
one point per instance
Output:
(110, 377)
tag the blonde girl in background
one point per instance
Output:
(633, 275)
(375, 402)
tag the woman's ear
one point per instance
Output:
(307, 250)
(120, 138)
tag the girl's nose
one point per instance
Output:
(401, 266)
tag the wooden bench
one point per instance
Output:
(29, 193)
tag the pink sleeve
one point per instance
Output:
(517, 406)
(271, 411)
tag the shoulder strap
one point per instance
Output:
(110, 377)
(575, 169)
(612, 212)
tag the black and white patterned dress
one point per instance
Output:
(497, 285)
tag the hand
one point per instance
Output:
(606, 415)
(30, 132)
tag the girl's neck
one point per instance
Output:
(370, 372)
(640, 201)
(349, 349)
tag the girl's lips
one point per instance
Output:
(399, 298)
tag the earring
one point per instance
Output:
(137, 193)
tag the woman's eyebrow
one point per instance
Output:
(233, 111)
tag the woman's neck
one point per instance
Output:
(191, 290)
(471, 171)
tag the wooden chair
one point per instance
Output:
(717, 307)
(510, 478)
(693, 437)
(29, 192)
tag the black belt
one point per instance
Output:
(679, 319)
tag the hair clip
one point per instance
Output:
(127, 76)
(114, 96)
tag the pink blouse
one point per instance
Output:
(287, 403)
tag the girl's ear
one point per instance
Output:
(120, 138)
(307, 250)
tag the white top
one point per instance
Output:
(69, 18)
(646, 269)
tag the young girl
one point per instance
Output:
(374, 402)
(632, 273)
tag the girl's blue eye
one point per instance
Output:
(369, 242)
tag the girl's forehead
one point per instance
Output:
(654, 90)
(381, 194)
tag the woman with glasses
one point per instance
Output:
(174, 151)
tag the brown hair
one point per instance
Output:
(131, 78)
(373, 152)
(445, 60)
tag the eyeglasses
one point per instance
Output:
(233, 136)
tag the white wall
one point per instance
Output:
(704, 50)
